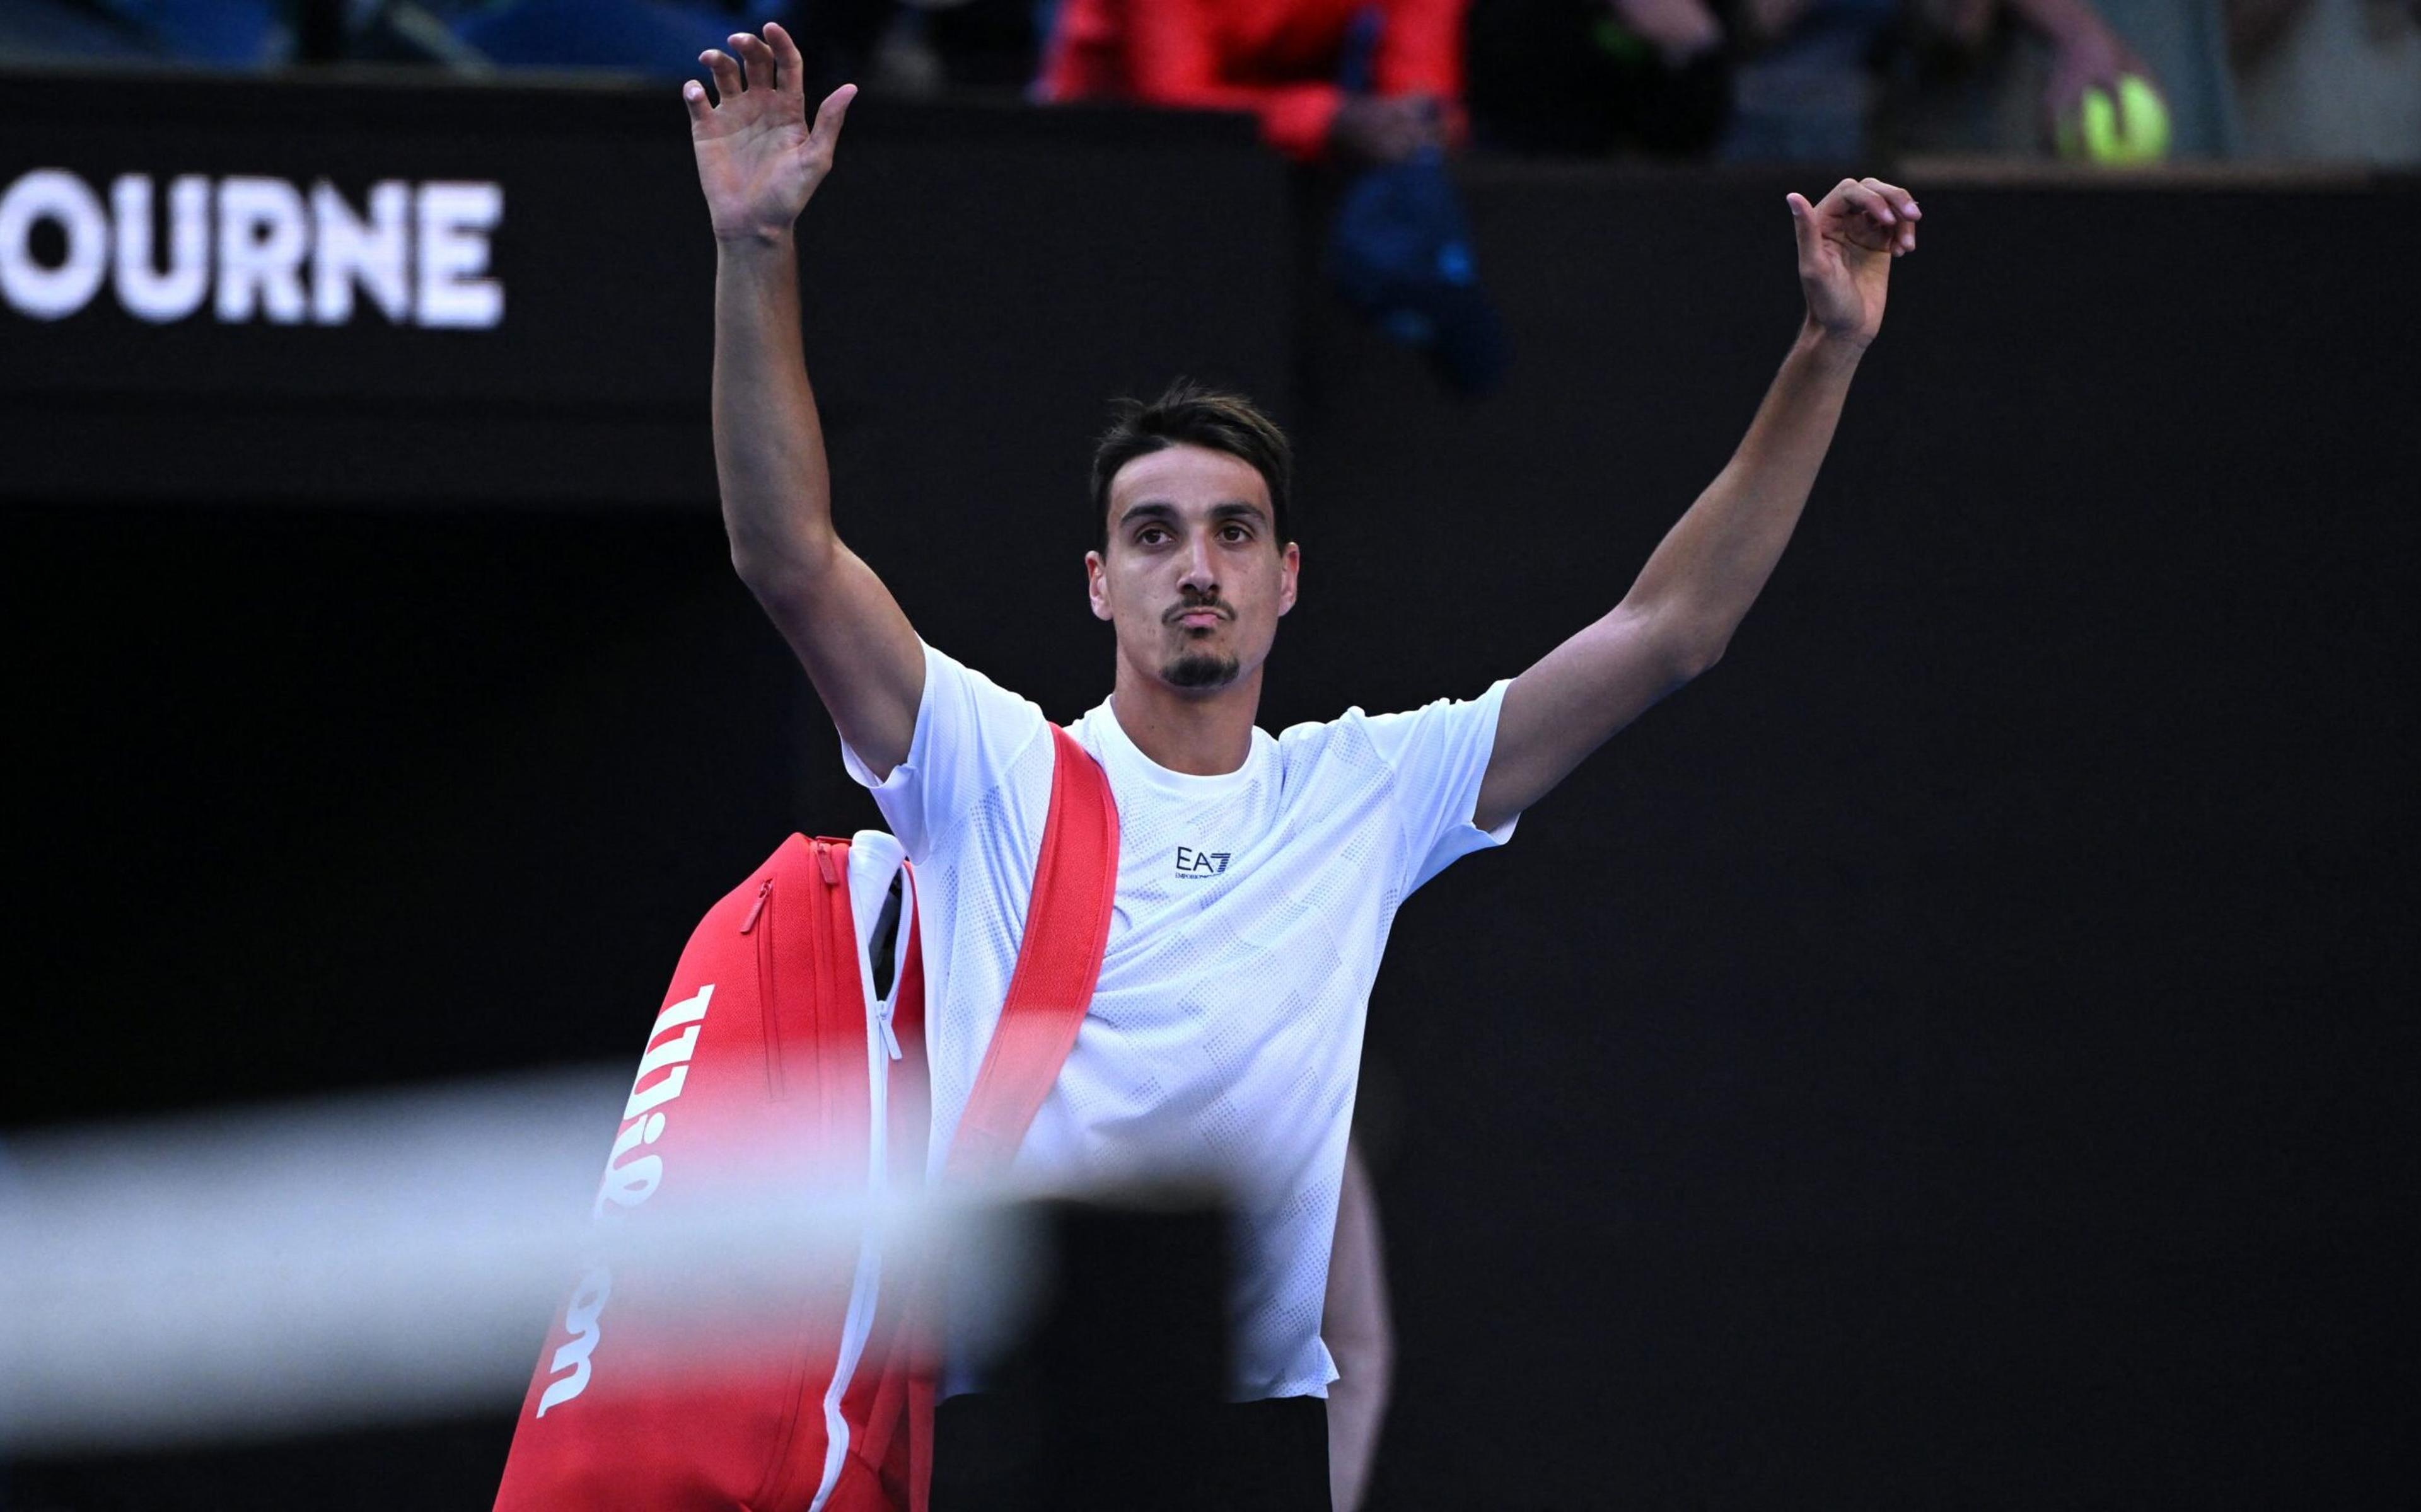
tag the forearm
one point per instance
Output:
(758, 175)
(1698, 585)
(1360, 1337)
(769, 444)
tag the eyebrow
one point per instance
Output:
(1162, 509)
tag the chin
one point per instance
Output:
(1200, 671)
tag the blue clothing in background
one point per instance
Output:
(636, 36)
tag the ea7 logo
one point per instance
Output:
(1191, 862)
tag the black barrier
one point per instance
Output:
(1957, 1054)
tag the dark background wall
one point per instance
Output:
(1957, 1054)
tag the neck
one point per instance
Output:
(1202, 733)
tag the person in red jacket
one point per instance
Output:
(1281, 59)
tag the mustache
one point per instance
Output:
(1195, 605)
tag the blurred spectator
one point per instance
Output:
(2330, 80)
(1997, 78)
(984, 44)
(1590, 77)
(1811, 80)
(1764, 80)
(902, 49)
(217, 33)
(633, 36)
(930, 43)
(228, 33)
(1806, 85)
(1283, 59)
(1768, 81)
(1373, 85)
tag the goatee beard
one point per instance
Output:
(1200, 669)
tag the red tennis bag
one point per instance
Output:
(779, 1064)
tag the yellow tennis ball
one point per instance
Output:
(2127, 133)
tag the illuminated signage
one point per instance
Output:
(252, 248)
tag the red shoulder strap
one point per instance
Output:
(1059, 961)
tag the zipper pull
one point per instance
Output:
(890, 1038)
(825, 864)
(758, 907)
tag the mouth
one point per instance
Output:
(1198, 617)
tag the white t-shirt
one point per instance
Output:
(1226, 1035)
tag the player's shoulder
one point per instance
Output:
(977, 695)
(1357, 724)
(1312, 733)
(1385, 738)
(941, 663)
(1314, 743)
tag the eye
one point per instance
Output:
(1235, 533)
(1152, 535)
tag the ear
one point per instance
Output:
(1289, 569)
(1096, 584)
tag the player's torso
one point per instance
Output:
(1224, 1035)
(1250, 914)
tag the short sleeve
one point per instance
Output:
(970, 732)
(1440, 755)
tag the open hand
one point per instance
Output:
(1845, 246)
(758, 160)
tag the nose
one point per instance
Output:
(1199, 575)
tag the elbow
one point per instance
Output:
(755, 567)
(1694, 659)
(781, 570)
(1673, 642)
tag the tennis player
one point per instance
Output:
(1258, 873)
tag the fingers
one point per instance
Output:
(1904, 206)
(1877, 217)
(828, 119)
(728, 81)
(1856, 215)
(791, 68)
(757, 60)
(694, 96)
(1803, 225)
(1900, 199)
(771, 63)
(1855, 195)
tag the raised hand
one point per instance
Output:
(1845, 246)
(758, 160)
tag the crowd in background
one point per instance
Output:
(1832, 81)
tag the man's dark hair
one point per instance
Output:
(1188, 413)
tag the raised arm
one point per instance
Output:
(758, 160)
(1698, 586)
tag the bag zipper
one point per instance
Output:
(775, 1086)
